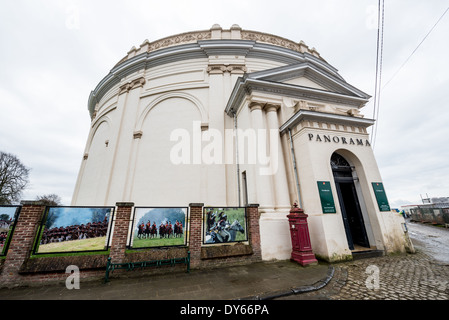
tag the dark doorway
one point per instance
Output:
(349, 202)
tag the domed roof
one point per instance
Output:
(203, 44)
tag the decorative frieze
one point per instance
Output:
(331, 126)
(222, 68)
(187, 37)
(278, 41)
(216, 32)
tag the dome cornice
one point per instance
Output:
(202, 44)
(216, 33)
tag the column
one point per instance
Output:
(120, 232)
(196, 219)
(282, 198)
(254, 229)
(264, 185)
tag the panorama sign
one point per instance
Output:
(337, 139)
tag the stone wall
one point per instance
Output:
(19, 267)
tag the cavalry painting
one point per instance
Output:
(224, 225)
(159, 227)
(74, 229)
(8, 218)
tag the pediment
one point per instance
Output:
(308, 74)
(305, 80)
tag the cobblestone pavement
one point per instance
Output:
(398, 277)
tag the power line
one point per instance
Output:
(379, 69)
(379, 54)
(416, 48)
(377, 61)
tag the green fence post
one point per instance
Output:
(106, 277)
(188, 261)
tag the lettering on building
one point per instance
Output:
(336, 139)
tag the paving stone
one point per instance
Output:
(401, 277)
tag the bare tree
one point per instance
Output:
(50, 199)
(13, 178)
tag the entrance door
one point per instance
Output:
(349, 202)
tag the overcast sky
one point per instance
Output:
(54, 53)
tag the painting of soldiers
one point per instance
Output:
(8, 217)
(224, 225)
(74, 229)
(158, 227)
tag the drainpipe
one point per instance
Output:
(237, 155)
(294, 166)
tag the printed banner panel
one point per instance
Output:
(74, 229)
(8, 219)
(224, 225)
(159, 227)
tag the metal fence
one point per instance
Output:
(430, 215)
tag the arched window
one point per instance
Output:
(340, 166)
(337, 161)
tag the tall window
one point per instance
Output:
(245, 189)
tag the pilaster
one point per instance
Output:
(122, 165)
(217, 186)
(264, 182)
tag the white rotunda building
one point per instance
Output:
(235, 117)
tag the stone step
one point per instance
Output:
(356, 255)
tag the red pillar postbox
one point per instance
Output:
(299, 232)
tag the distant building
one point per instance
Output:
(5, 225)
(440, 201)
(231, 117)
(435, 202)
